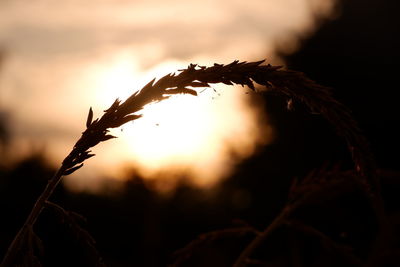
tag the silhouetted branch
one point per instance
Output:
(274, 78)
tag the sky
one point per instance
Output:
(62, 57)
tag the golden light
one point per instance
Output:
(63, 57)
(199, 139)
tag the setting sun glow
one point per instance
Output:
(62, 57)
(199, 138)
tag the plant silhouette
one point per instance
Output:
(27, 245)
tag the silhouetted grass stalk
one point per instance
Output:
(244, 257)
(290, 83)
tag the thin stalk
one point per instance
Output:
(30, 221)
(246, 253)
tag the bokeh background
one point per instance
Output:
(194, 164)
(61, 58)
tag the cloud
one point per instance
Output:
(182, 28)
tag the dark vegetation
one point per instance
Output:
(330, 222)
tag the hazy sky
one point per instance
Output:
(64, 56)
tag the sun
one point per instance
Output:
(199, 137)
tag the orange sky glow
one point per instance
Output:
(66, 56)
